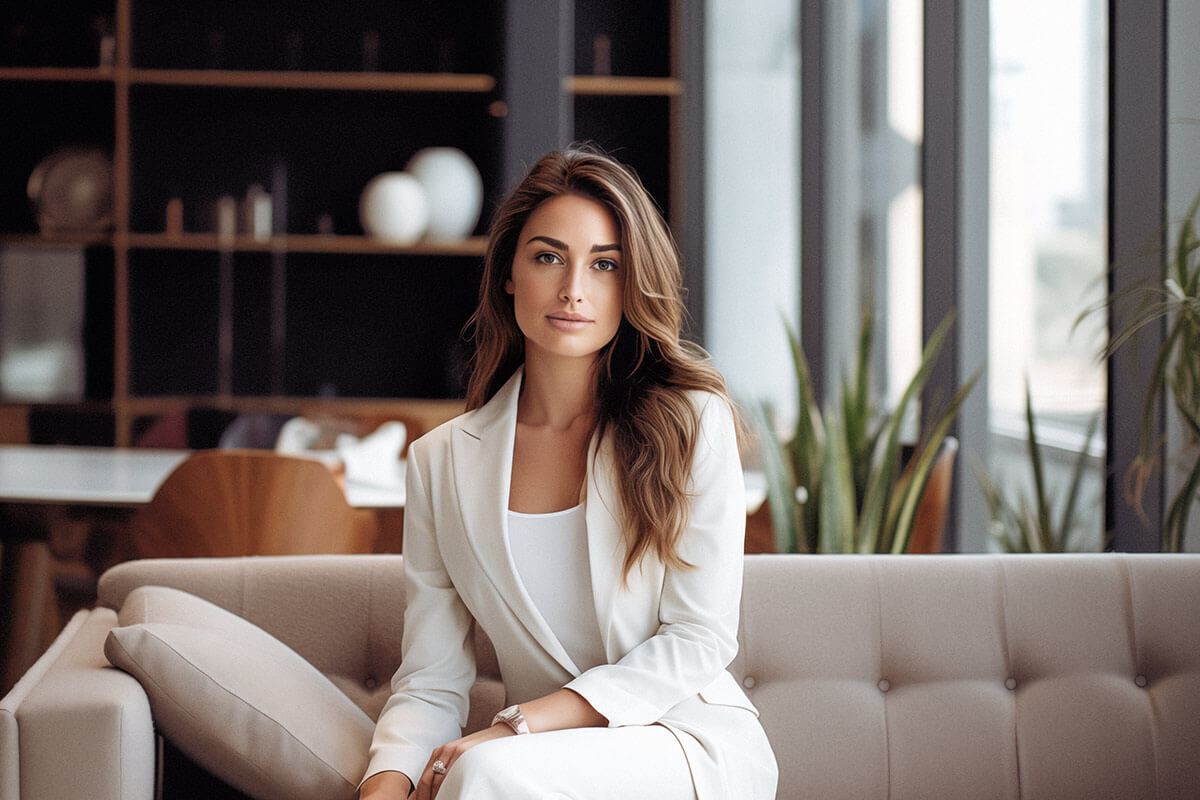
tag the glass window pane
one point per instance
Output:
(1048, 241)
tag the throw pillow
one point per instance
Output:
(239, 702)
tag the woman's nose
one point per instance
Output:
(572, 288)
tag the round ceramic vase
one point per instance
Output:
(394, 208)
(454, 189)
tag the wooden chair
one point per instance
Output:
(929, 527)
(249, 502)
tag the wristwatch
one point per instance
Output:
(513, 718)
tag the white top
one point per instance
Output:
(550, 552)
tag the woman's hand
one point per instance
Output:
(386, 786)
(430, 780)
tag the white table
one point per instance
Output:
(109, 476)
(113, 476)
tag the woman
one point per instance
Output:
(588, 513)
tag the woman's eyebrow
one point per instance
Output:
(596, 248)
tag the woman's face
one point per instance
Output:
(568, 278)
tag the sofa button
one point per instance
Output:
(1141, 681)
(884, 685)
(749, 682)
(1010, 684)
(370, 682)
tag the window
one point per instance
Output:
(1048, 179)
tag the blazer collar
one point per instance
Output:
(482, 452)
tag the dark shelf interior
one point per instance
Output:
(54, 33)
(208, 142)
(636, 35)
(387, 35)
(356, 326)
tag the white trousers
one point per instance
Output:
(578, 764)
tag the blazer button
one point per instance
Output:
(749, 682)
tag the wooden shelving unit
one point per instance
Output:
(190, 117)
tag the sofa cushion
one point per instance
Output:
(237, 700)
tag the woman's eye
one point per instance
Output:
(605, 265)
(546, 258)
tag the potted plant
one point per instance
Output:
(1175, 297)
(1032, 525)
(839, 483)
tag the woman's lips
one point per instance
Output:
(568, 322)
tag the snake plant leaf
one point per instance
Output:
(1039, 478)
(928, 451)
(1067, 519)
(844, 459)
(1025, 526)
(837, 528)
(781, 481)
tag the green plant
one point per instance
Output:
(1029, 525)
(838, 484)
(1174, 297)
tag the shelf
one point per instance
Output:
(55, 240)
(82, 74)
(280, 404)
(361, 81)
(613, 85)
(474, 246)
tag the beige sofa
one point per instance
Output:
(1050, 677)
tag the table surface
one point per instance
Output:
(113, 476)
(108, 476)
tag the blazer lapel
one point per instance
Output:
(625, 607)
(606, 545)
(482, 451)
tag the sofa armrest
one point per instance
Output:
(74, 726)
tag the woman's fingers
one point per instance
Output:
(435, 771)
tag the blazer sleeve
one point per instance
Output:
(430, 691)
(699, 607)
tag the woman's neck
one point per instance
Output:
(558, 393)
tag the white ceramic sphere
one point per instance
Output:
(394, 209)
(453, 187)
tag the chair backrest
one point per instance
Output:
(249, 502)
(929, 526)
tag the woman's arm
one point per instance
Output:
(430, 690)
(386, 786)
(556, 711)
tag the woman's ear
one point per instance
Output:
(508, 286)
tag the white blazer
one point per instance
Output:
(668, 634)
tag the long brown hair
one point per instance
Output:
(643, 374)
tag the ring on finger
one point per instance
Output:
(439, 767)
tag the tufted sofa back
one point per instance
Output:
(977, 676)
(1050, 677)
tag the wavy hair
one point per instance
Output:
(642, 376)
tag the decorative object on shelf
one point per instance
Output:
(174, 226)
(601, 55)
(225, 221)
(72, 191)
(453, 188)
(394, 208)
(370, 59)
(257, 213)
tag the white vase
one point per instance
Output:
(394, 209)
(453, 187)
